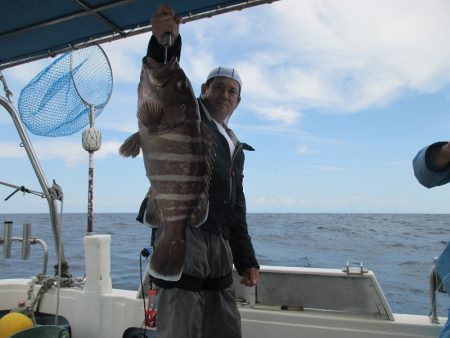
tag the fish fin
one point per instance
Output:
(150, 113)
(152, 214)
(200, 213)
(167, 260)
(131, 146)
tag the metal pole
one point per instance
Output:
(41, 178)
(7, 236)
(90, 213)
(26, 241)
(433, 288)
(90, 216)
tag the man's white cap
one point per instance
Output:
(226, 72)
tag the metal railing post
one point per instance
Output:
(42, 181)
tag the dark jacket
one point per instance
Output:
(227, 208)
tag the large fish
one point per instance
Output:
(177, 155)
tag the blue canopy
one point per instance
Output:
(35, 29)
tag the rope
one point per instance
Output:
(22, 189)
(8, 93)
(46, 283)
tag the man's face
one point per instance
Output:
(221, 96)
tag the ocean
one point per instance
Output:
(399, 248)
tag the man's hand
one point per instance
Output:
(250, 277)
(165, 21)
(440, 157)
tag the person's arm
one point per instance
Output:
(244, 258)
(432, 165)
(164, 21)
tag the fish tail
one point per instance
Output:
(167, 260)
(131, 146)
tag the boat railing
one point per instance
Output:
(51, 193)
(436, 285)
(26, 241)
(349, 290)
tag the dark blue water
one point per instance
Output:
(399, 248)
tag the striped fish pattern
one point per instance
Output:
(177, 152)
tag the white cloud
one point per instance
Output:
(306, 150)
(24, 73)
(284, 115)
(71, 152)
(12, 150)
(345, 56)
(109, 148)
(129, 127)
(126, 56)
(120, 113)
(197, 62)
(255, 84)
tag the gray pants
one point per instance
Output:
(203, 314)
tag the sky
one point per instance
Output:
(337, 99)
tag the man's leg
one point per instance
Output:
(222, 318)
(180, 313)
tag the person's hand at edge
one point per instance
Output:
(250, 277)
(165, 21)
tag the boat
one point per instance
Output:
(288, 302)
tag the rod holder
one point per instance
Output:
(7, 236)
(26, 241)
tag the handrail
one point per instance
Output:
(433, 289)
(33, 241)
(50, 193)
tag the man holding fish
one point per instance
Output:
(196, 202)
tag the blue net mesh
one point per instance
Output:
(56, 102)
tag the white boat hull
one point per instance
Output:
(351, 304)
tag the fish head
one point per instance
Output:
(167, 92)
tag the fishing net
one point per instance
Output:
(58, 101)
